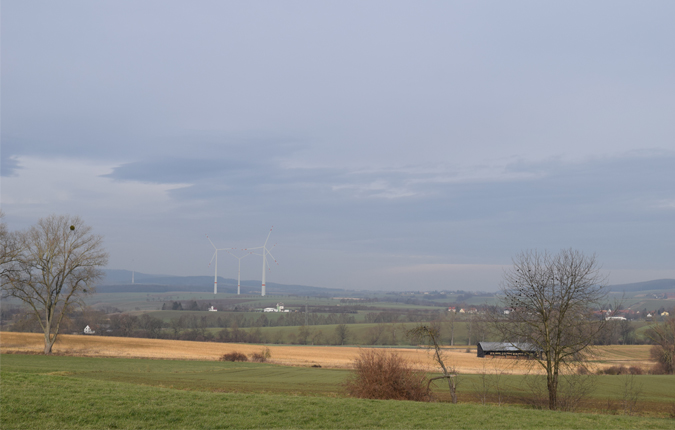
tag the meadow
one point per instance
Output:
(85, 392)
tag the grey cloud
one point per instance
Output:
(8, 165)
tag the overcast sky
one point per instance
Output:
(392, 145)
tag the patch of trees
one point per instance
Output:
(618, 332)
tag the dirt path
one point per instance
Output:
(325, 356)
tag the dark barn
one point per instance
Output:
(507, 349)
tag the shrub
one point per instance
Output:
(583, 370)
(636, 370)
(614, 370)
(234, 356)
(386, 375)
(658, 369)
(664, 360)
(262, 356)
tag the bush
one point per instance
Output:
(635, 370)
(386, 375)
(664, 360)
(234, 356)
(583, 370)
(614, 370)
(262, 356)
(658, 369)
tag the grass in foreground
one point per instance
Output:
(47, 401)
(657, 396)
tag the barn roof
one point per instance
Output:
(507, 346)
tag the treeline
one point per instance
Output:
(197, 328)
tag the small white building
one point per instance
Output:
(279, 308)
(88, 330)
(212, 309)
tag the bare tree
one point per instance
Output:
(429, 335)
(341, 334)
(663, 352)
(451, 325)
(551, 299)
(57, 266)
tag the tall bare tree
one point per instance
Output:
(551, 300)
(57, 267)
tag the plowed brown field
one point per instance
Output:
(326, 356)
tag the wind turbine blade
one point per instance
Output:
(214, 256)
(214, 246)
(268, 237)
(275, 260)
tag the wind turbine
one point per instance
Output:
(239, 272)
(215, 255)
(265, 251)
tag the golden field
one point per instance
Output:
(325, 356)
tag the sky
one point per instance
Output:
(392, 145)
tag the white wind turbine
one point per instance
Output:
(215, 255)
(239, 272)
(265, 251)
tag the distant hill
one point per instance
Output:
(119, 281)
(658, 284)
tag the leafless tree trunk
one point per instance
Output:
(551, 299)
(57, 266)
(429, 336)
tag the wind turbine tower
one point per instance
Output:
(215, 256)
(265, 251)
(239, 272)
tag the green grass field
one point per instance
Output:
(80, 392)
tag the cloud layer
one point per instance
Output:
(391, 145)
